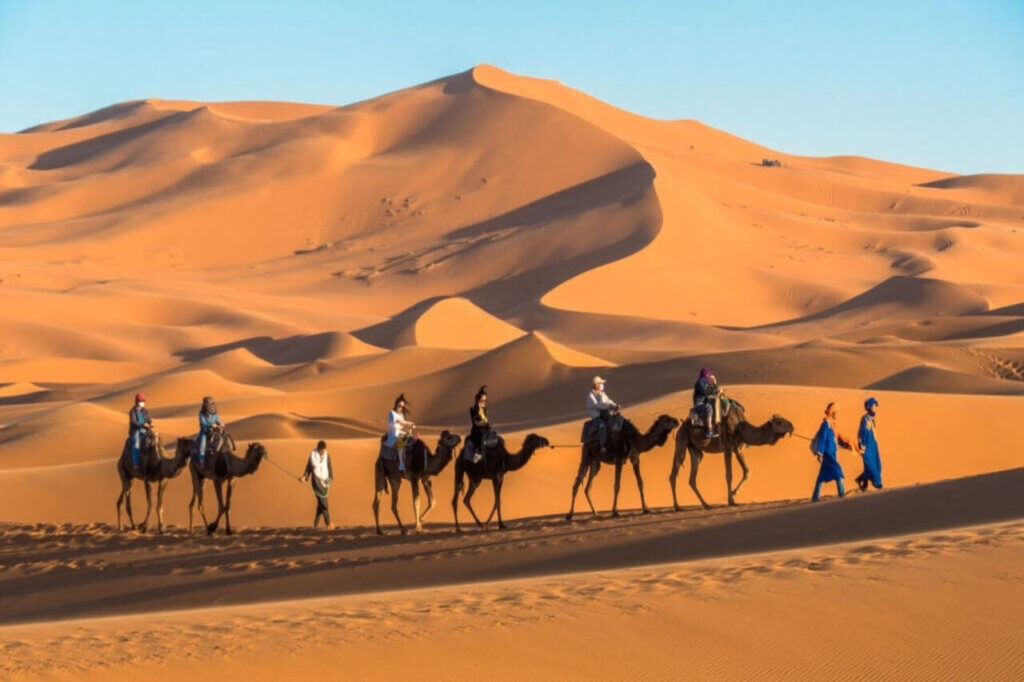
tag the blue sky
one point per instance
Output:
(936, 84)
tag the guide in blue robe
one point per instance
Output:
(826, 445)
(867, 443)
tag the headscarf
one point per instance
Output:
(209, 407)
(830, 409)
(869, 406)
(480, 394)
(705, 373)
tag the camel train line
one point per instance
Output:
(715, 425)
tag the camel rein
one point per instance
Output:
(288, 473)
(298, 478)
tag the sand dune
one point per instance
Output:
(305, 264)
(453, 323)
(1007, 189)
(939, 380)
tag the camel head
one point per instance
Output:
(448, 440)
(535, 442)
(255, 454)
(780, 426)
(183, 448)
(185, 445)
(664, 425)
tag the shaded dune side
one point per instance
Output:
(897, 298)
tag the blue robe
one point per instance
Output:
(867, 442)
(825, 444)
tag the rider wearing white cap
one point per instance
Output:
(599, 407)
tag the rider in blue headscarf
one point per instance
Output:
(826, 446)
(867, 445)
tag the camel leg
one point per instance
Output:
(416, 503)
(728, 475)
(677, 462)
(473, 483)
(746, 471)
(118, 505)
(126, 487)
(192, 508)
(197, 499)
(595, 466)
(696, 456)
(428, 488)
(635, 461)
(376, 509)
(378, 492)
(144, 526)
(128, 505)
(455, 495)
(576, 484)
(395, 484)
(227, 508)
(199, 502)
(497, 482)
(211, 527)
(160, 487)
(615, 489)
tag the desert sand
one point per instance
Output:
(305, 264)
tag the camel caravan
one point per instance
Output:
(715, 424)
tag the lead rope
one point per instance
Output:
(286, 472)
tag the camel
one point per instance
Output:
(220, 466)
(497, 462)
(420, 465)
(154, 468)
(736, 432)
(629, 445)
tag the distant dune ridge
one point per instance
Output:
(307, 263)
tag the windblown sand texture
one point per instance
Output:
(305, 264)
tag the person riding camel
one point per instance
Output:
(209, 422)
(400, 429)
(481, 428)
(139, 424)
(707, 400)
(599, 409)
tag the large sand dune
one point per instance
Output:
(306, 263)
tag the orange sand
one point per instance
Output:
(305, 264)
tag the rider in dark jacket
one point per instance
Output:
(481, 425)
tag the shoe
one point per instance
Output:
(477, 457)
